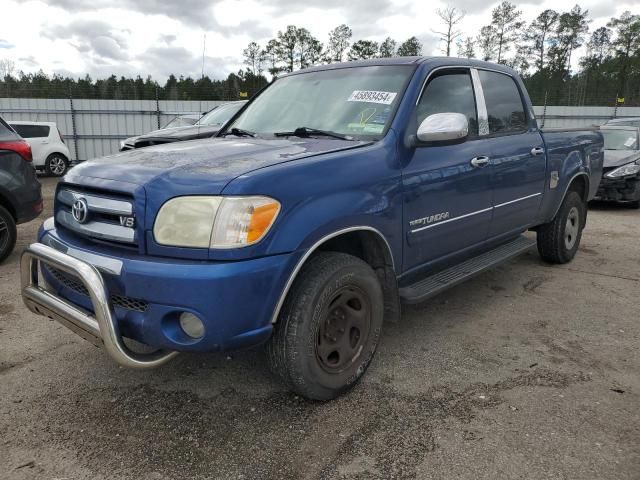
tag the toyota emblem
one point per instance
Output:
(80, 210)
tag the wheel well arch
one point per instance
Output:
(57, 153)
(579, 184)
(366, 243)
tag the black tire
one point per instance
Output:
(559, 240)
(56, 165)
(8, 233)
(316, 320)
(635, 204)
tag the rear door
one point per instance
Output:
(447, 195)
(37, 136)
(518, 157)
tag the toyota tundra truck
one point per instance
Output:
(334, 196)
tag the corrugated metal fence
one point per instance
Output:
(94, 128)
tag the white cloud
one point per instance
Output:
(159, 37)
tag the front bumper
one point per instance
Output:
(142, 297)
(622, 189)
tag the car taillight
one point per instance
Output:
(21, 147)
(60, 135)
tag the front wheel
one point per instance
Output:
(56, 165)
(559, 240)
(329, 327)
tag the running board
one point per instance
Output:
(438, 282)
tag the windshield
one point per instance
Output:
(620, 139)
(181, 122)
(356, 102)
(220, 115)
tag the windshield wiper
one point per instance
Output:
(238, 132)
(307, 132)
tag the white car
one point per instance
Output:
(49, 151)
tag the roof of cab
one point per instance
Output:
(434, 62)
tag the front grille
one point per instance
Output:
(72, 283)
(100, 216)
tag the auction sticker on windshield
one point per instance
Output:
(372, 96)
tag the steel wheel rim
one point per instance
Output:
(571, 228)
(57, 165)
(4, 234)
(343, 330)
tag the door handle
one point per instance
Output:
(479, 162)
(535, 151)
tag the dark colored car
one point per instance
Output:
(210, 124)
(621, 176)
(20, 195)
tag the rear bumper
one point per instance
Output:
(624, 189)
(142, 297)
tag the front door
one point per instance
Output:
(447, 187)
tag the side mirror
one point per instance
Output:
(441, 127)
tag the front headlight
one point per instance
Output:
(629, 169)
(214, 222)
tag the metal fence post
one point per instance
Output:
(157, 107)
(615, 106)
(544, 108)
(73, 125)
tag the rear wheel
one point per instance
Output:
(8, 233)
(635, 204)
(559, 240)
(329, 327)
(56, 165)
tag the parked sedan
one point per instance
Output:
(20, 196)
(621, 174)
(207, 126)
(49, 150)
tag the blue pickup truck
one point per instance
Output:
(333, 197)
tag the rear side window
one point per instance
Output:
(31, 131)
(450, 92)
(504, 104)
(5, 132)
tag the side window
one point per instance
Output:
(31, 131)
(505, 109)
(450, 92)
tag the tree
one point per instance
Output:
(287, 42)
(252, 57)
(572, 26)
(599, 45)
(339, 39)
(388, 48)
(488, 42)
(7, 68)
(410, 48)
(451, 17)
(466, 48)
(506, 21)
(626, 42)
(363, 49)
(271, 57)
(308, 48)
(538, 34)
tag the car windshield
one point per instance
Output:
(220, 115)
(358, 102)
(620, 139)
(181, 122)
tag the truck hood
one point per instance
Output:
(617, 158)
(201, 166)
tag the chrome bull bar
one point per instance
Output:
(101, 328)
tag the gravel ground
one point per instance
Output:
(527, 371)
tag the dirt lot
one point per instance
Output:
(528, 371)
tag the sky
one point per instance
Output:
(160, 37)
